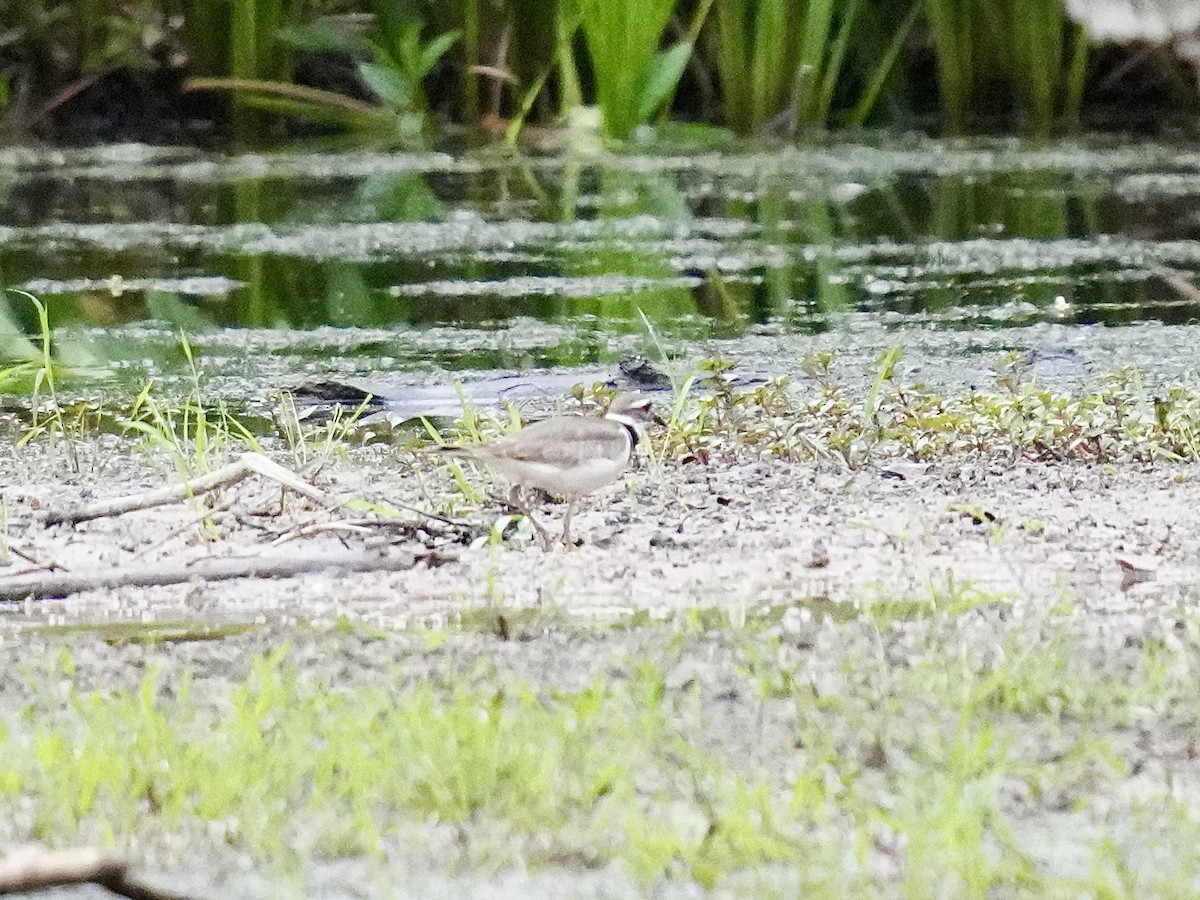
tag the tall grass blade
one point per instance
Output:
(623, 38)
(818, 20)
(781, 61)
(818, 112)
(883, 70)
(663, 74)
(1076, 77)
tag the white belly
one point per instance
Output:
(580, 479)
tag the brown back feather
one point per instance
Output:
(573, 436)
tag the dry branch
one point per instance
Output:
(247, 464)
(46, 585)
(36, 869)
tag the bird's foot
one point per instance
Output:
(544, 538)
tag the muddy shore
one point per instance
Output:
(971, 550)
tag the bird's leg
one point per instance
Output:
(566, 535)
(544, 538)
(516, 499)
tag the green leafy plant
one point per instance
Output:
(633, 78)
(394, 60)
(50, 420)
(1119, 421)
(193, 434)
(401, 57)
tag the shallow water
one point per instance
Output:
(303, 265)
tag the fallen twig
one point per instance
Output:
(322, 528)
(426, 514)
(36, 869)
(246, 464)
(50, 585)
(34, 564)
(30, 558)
(1177, 283)
(213, 513)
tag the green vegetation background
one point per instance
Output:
(393, 72)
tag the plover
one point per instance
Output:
(568, 456)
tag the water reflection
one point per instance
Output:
(942, 234)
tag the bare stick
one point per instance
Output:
(247, 464)
(49, 585)
(1178, 283)
(321, 528)
(35, 869)
(426, 514)
(186, 526)
(32, 560)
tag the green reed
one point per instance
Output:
(781, 62)
(1024, 51)
(779, 65)
(239, 40)
(632, 77)
(542, 32)
(472, 41)
(1049, 62)
(395, 54)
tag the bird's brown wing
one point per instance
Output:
(564, 441)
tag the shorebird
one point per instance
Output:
(568, 456)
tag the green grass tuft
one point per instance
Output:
(945, 753)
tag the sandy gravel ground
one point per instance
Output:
(741, 536)
(738, 537)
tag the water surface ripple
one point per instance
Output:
(429, 265)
